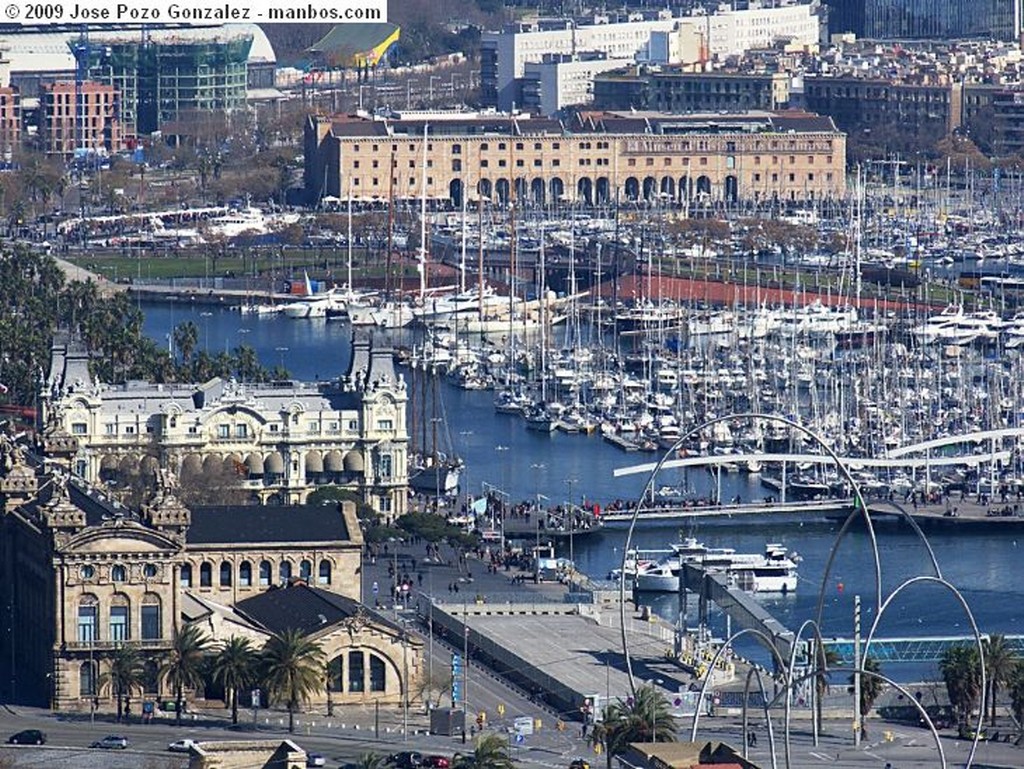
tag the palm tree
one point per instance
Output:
(293, 667)
(234, 668)
(186, 337)
(643, 718)
(126, 673)
(1000, 662)
(870, 690)
(183, 667)
(961, 670)
(371, 761)
(491, 752)
(1016, 687)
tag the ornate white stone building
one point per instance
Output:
(282, 438)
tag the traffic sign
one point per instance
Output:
(256, 698)
(520, 737)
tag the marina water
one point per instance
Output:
(500, 452)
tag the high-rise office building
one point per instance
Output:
(926, 19)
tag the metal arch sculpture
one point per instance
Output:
(859, 506)
(767, 715)
(792, 666)
(974, 627)
(702, 695)
(881, 677)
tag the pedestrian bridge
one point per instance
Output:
(926, 649)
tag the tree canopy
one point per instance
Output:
(38, 301)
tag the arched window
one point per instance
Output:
(151, 620)
(205, 574)
(225, 574)
(118, 574)
(120, 628)
(355, 672)
(334, 674)
(245, 574)
(285, 571)
(151, 677)
(87, 679)
(265, 571)
(324, 578)
(88, 619)
(186, 575)
(305, 570)
(378, 677)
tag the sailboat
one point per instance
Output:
(538, 416)
(433, 471)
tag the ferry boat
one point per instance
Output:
(774, 571)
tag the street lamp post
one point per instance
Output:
(570, 483)
(408, 93)
(465, 668)
(430, 88)
(654, 709)
(206, 329)
(280, 355)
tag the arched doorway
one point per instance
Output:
(703, 186)
(632, 187)
(603, 190)
(521, 190)
(483, 187)
(585, 191)
(684, 188)
(557, 188)
(668, 188)
(650, 187)
(455, 192)
(501, 189)
(732, 189)
(537, 191)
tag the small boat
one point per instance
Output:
(774, 572)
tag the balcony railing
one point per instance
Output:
(157, 643)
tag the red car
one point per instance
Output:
(437, 762)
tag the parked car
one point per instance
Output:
(111, 742)
(407, 759)
(27, 737)
(437, 762)
(315, 759)
(183, 745)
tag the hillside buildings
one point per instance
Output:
(594, 158)
(172, 80)
(563, 48)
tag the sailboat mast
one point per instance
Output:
(480, 250)
(348, 241)
(422, 266)
(462, 259)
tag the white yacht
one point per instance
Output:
(932, 329)
(773, 572)
(663, 576)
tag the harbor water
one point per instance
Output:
(501, 453)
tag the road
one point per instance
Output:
(350, 732)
